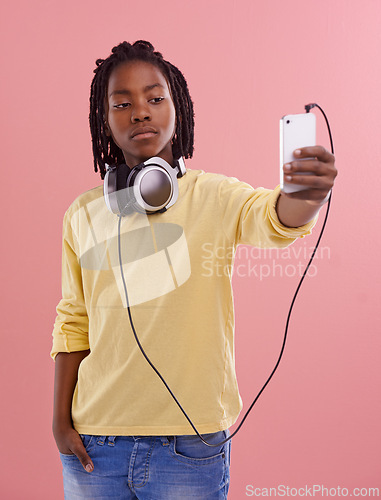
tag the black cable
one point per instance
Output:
(308, 107)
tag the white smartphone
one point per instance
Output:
(296, 131)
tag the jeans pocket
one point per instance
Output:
(66, 455)
(88, 441)
(190, 449)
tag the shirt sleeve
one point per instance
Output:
(70, 332)
(249, 216)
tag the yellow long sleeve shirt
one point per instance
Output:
(181, 304)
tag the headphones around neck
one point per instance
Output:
(150, 187)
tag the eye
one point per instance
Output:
(122, 105)
(156, 100)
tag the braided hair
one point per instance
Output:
(104, 148)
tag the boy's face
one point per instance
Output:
(139, 100)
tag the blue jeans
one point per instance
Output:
(150, 468)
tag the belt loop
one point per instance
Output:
(101, 440)
(165, 440)
(111, 440)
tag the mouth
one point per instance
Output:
(147, 135)
(143, 133)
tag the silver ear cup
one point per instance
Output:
(118, 197)
(110, 191)
(149, 187)
(152, 188)
(167, 177)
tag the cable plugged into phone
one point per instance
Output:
(308, 107)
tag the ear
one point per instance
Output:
(175, 128)
(107, 128)
(105, 122)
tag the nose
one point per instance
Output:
(140, 113)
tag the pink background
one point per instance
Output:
(247, 63)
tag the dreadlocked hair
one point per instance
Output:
(105, 151)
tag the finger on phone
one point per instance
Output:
(313, 151)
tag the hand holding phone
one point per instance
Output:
(296, 131)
